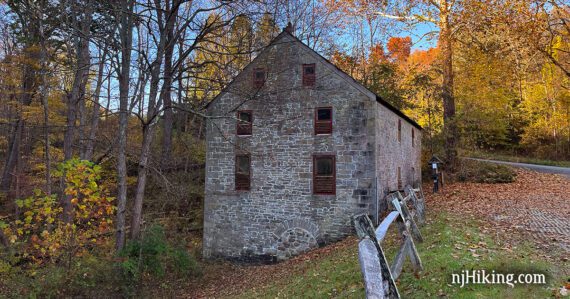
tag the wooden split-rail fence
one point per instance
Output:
(380, 276)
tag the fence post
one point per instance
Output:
(400, 206)
(378, 281)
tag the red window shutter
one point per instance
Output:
(323, 120)
(309, 75)
(258, 77)
(244, 122)
(324, 178)
(400, 185)
(243, 172)
(399, 130)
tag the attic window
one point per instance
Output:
(323, 120)
(243, 172)
(399, 130)
(244, 123)
(258, 77)
(309, 75)
(324, 174)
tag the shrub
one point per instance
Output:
(40, 233)
(484, 172)
(87, 276)
(153, 256)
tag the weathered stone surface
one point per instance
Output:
(254, 225)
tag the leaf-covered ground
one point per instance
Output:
(536, 206)
(470, 226)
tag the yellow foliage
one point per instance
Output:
(43, 232)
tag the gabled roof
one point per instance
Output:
(347, 76)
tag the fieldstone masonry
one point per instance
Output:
(279, 216)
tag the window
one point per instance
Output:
(399, 179)
(399, 130)
(323, 120)
(244, 123)
(324, 174)
(258, 77)
(243, 172)
(309, 74)
(413, 137)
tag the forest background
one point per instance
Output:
(102, 108)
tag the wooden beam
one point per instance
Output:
(383, 228)
(403, 209)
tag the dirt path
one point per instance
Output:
(536, 204)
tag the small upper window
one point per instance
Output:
(324, 174)
(399, 130)
(258, 77)
(243, 172)
(309, 74)
(323, 120)
(244, 124)
(413, 137)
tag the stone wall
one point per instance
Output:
(392, 153)
(280, 217)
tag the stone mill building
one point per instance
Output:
(295, 147)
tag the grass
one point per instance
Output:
(511, 158)
(451, 245)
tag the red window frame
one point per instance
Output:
(242, 181)
(399, 130)
(258, 82)
(244, 128)
(324, 185)
(323, 126)
(309, 79)
(400, 185)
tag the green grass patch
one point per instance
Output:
(511, 158)
(451, 245)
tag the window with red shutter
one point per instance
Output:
(400, 185)
(243, 172)
(258, 77)
(244, 123)
(323, 120)
(399, 130)
(324, 174)
(309, 75)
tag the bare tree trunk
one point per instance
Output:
(166, 92)
(44, 99)
(28, 86)
(450, 125)
(89, 146)
(77, 91)
(13, 154)
(148, 132)
(165, 47)
(3, 239)
(126, 36)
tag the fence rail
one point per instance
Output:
(379, 276)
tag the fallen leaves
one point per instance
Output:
(226, 279)
(507, 209)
